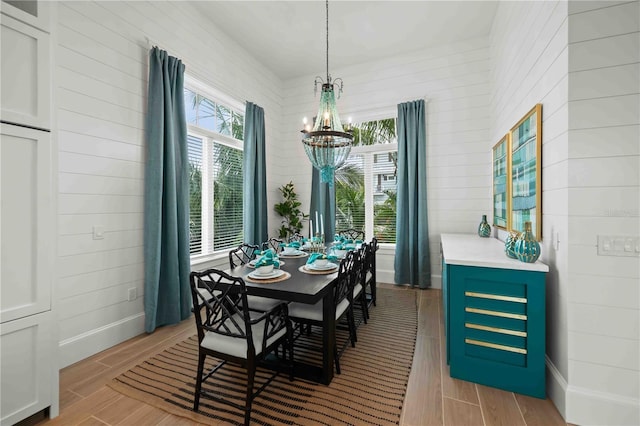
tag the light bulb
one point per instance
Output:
(304, 120)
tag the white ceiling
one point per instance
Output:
(289, 37)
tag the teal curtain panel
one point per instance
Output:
(254, 194)
(412, 264)
(167, 296)
(323, 201)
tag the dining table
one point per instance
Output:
(307, 288)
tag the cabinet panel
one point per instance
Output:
(25, 222)
(32, 12)
(25, 74)
(496, 327)
(25, 367)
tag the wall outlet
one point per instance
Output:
(132, 294)
(618, 245)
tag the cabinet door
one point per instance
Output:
(25, 74)
(25, 367)
(26, 220)
(32, 12)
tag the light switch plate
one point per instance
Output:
(98, 232)
(618, 245)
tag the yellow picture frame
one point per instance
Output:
(500, 177)
(525, 181)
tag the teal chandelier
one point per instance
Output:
(327, 144)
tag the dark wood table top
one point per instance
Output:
(300, 287)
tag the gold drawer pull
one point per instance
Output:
(495, 346)
(496, 330)
(496, 297)
(496, 313)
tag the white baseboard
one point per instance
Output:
(556, 387)
(436, 281)
(384, 276)
(582, 406)
(90, 343)
(589, 407)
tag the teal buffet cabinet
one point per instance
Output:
(494, 315)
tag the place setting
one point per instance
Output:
(320, 264)
(292, 250)
(252, 263)
(267, 269)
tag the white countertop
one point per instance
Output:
(473, 250)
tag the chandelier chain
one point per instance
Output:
(327, 8)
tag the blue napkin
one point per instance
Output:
(268, 258)
(294, 244)
(263, 252)
(314, 256)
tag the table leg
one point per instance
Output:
(328, 336)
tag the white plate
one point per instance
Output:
(326, 267)
(295, 254)
(252, 264)
(273, 274)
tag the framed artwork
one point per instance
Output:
(526, 172)
(500, 183)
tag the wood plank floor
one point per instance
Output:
(432, 398)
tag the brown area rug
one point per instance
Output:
(369, 391)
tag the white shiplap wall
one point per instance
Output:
(530, 65)
(101, 77)
(455, 81)
(580, 60)
(604, 199)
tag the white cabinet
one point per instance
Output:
(28, 328)
(25, 74)
(25, 367)
(25, 222)
(32, 12)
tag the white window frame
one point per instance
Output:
(367, 153)
(209, 138)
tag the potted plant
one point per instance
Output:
(290, 211)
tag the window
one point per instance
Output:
(366, 185)
(214, 144)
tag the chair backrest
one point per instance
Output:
(363, 263)
(242, 254)
(296, 238)
(272, 243)
(223, 311)
(352, 234)
(344, 283)
(374, 248)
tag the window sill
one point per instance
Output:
(197, 262)
(387, 247)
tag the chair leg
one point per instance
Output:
(373, 288)
(352, 327)
(251, 372)
(363, 304)
(290, 347)
(196, 396)
(336, 358)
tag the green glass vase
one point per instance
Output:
(510, 245)
(527, 248)
(484, 230)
